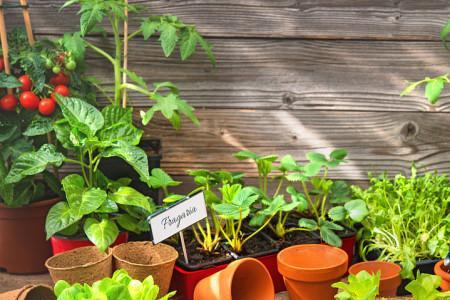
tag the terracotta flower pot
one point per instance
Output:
(141, 259)
(390, 275)
(442, 271)
(310, 270)
(23, 247)
(81, 265)
(243, 279)
(30, 292)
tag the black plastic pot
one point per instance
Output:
(116, 168)
(424, 266)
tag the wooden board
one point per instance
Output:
(376, 141)
(318, 19)
(292, 74)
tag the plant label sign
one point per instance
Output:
(175, 218)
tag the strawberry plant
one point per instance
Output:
(94, 204)
(172, 32)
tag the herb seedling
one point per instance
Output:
(425, 287)
(362, 286)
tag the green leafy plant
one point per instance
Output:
(434, 86)
(362, 286)
(325, 197)
(425, 287)
(120, 286)
(94, 204)
(408, 218)
(172, 32)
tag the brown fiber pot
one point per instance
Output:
(310, 270)
(141, 259)
(23, 247)
(30, 292)
(390, 275)
(442, 271)
(243, 279)
(81, 265)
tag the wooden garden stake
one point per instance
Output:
(4, 40)
(183, 245)
(27, 21)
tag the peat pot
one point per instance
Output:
(81, 265)
(243, 279)
(30, 292)
(141, 259)
(390, 275)
(310, 270)
(23, 246)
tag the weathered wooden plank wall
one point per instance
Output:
(295, 76)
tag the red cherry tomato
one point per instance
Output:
(29, 100)
(59, 78)
(8, 102)
(47, 106)
(26, 83)
(62, 90)
(2, 63)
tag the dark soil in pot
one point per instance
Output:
(259, 245)
(294, 238)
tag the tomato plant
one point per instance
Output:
(47, 106)
(26, 83)
(8, 102)
(29, 100)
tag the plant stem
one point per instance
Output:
(280, 184)
(100, 51)
(257, 231)
(117, 62)
(311, 203)
(134, 34)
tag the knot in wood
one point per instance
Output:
(288, 99)
(409, 131)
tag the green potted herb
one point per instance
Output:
(361, 286)
(95, 206)
(407, 221)
(27, 111)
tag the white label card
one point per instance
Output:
(173, 219)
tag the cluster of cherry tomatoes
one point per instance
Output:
(29, 100)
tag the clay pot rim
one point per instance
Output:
(40, 203)
(438, 271)
(399, 269)
(330, 266)
(167, 247)
(108, 255)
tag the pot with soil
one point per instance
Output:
(81, 265)
(243, 279)
(23, 246)
(62, 243)
(390, 275)
(141, 259)
(30, 292)
(443, 272)
(309, 270)
(348, 237)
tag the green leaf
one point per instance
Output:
(316, 157)
(338, 154)
(207, 47)
(337, 213)
(124, 132)
(149, 26)
(39, 125)
(9, 81)
(90, 16)
(102, 233)
(60, 286)
(129, 196)
(444, 33)
(288, 163)
(160, 179)
(246, 154)
(113, 114)
(59, 218)
(308, 224)
(188, 43)
(81, 115)
(109, 206)
(357, 210)
(74, 43)
(128, 223)
(425, 287)
(329, 237)
(434, 89)
(136, 78)
(31, 163)
(52, 182)
(312, 169)
(91, 200)
(168, 38)
(362, 286)
(340, 192)
(134, 156)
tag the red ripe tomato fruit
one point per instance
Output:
(29, 100)
(62, 90)
(2, 63)
(26, 83)
(47, 106)
(8, 102)
(59, 78)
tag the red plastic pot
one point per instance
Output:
(270, 262)
(62, 244)
(184, 282)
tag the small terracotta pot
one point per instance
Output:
(310, 270)
(23, 247)
(141, 259)
(442, 271)
(390, 275)
(30, 292)
(81, 265)
(243, 279)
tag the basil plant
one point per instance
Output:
(93, 204)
